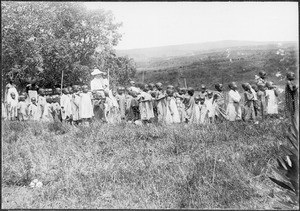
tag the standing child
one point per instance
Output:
(249, 113)
(261, 98)
(190, 109)
(172, 115)
(121, 101)
(197, 105)
(22, 109)
(234, 111)
(203, 110)
(85, 106)
(65, 104)
(210, 107)
(271, 98)
(254, 90)
(219, 103)
(12, 107)
(291, 96)
(41, 101)
(33, 110)
(161, 103)
(145, 105)
(75, 100)
(47, 114)
(179, 103)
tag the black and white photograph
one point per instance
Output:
(150, 105)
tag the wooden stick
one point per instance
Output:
(62, 80)
(185, 83)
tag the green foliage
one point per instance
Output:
(287, 171)
(42, 39)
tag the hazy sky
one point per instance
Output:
(149, 24)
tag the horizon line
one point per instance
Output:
(140, 48)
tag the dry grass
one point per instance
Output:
(128, 166)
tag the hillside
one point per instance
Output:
(146, 54)
(222, 65)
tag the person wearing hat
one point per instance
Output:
(234, 111)
(99, 83)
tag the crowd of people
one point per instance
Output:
(148, 103)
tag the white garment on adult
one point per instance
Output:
(272, 106)
(234, 111)
(100, 84)
(10, 90)
(65, 103)
(85, 106)
(75, 106)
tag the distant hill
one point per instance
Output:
(143, 55)
(240, 64)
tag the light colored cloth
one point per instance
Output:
(210, 108)
(261, 98)
(145, 106)
(172, 115)
(85, 106)
(197, 113)
(9, 89)
(100, 84)
(65, 104)
(190, 109)
(219, 106)
(31, 94)
(181, 108)
(161, 106)
(234, 111)
(12, 109)
(272, 106)
(34, 112)
(4, 115)
(22, 111)
(47, 114)
(41, 102)
(122, 104)
(75, 107)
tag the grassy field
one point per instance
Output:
(127, 166)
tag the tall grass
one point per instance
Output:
(128, 166)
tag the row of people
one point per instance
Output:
(147, 103)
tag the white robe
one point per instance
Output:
(234, 111)
(272, 105)
(65, 104)
(85, 106)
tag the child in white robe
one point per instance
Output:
(85, 105)
(203, 110)
(47, 114)
(210, 106)
(197, 108)
(234, 111)
(41, 101)
(12, 103)
(65, 104)
(33, 110)
(145, 105)
(22, 109)
(271, 99)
